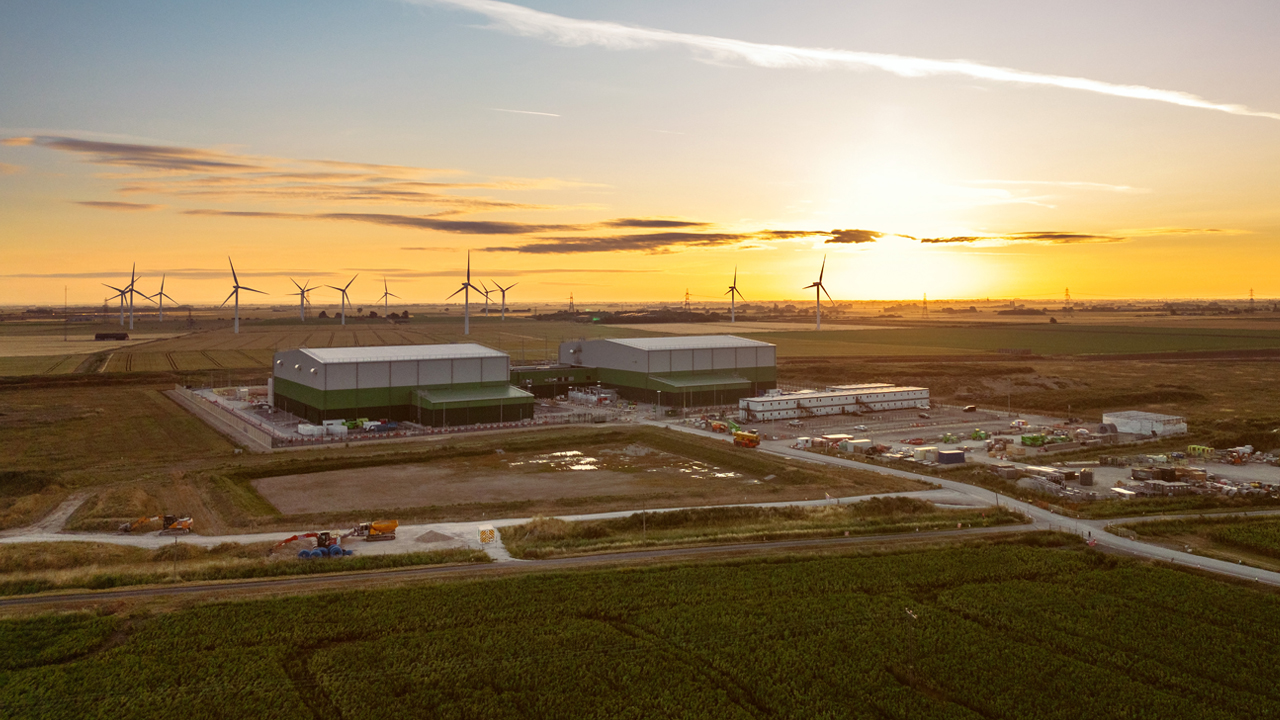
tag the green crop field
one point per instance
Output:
(1041, 339)
(998, 631)
(1255, 539)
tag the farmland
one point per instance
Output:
(995, 630)
(552, 537)
(1254, 540)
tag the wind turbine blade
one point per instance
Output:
(252, 290)
(118, 290)
(735, 275)
(233, 292)
(353, 279)
(824, 268)
(295, 284)
(455, 292)
(810, 285)
(391, 294)
(512, 285)
(824, 292)
(744, 297)
(335, 287)
(234, 280)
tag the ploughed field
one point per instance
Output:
(970, 632)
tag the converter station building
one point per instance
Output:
(436, 385)
(681, 371)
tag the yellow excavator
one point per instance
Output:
(169, 524)
(328, 543)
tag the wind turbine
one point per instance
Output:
(504, 296)
(345, 301)
(818, 291)
(303, 300)
(236, 287)
(386, 294)
(486, 298)
(129, 290)
(466, 289)
(733, 290)
(161, 295)
(119, 294)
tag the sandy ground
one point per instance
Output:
(43, 345)
(724, 328)
(404, 486)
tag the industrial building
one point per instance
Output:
(682, 371)
(836, 400)
(436, 385)
(1149, 424)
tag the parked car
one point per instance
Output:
(971, 408)
(924, 415)
(860, 428)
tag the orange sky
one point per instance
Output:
(628, 152)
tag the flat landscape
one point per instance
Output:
(982, 631)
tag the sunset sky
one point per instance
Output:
(625, 150)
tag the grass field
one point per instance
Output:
(552, 537)
(971, 632)
(1252, 539)
(1040, 339)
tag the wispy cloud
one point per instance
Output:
(1071, 184)
(7, 169)
(1050, 238)
(117, 206)
(571, 32)
(525, 112)
(223, 176)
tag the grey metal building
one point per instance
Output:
(453, 384)
(681, 371)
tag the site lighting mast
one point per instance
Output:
(161, 295)
(733, 290)
(386, 294)
(236, 287)
(818, 290)
(345, 300)
(466, 289)
(504, 296)
(303, 300)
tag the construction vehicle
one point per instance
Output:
(979, 434)
(169, 524)
(719, 427)
(1200, 451)
(328, 544)
(746, 438)
(374, 531)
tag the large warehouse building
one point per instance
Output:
(1145, 423)
(437, 385)
(683, 371)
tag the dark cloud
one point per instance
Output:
(1051, 238)
(124, 206)
(417, 222)
(152, 157)
(648, 243)
(651, 223)
(854, 237)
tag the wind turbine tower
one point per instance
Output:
(818, 290)
(504, 296)
(386, 295)
(161, 296)
(343, 290)
(486, 298)
(236, 287)
(466, 289)
(733, 291)
(303, 300)
(129, 290)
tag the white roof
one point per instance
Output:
(809, 394)
(689, 342)
(391, 353)
(1141, 415)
